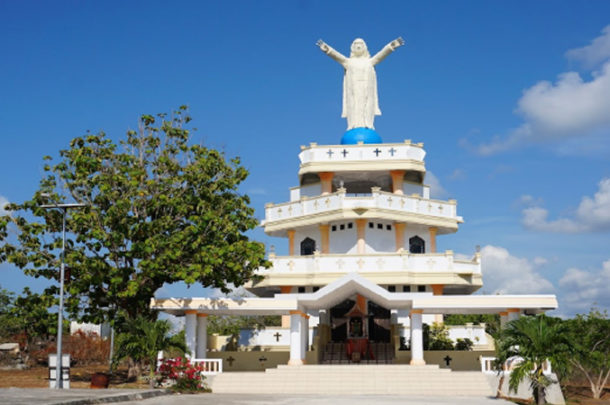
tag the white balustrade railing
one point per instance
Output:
(377, 199)
(488, 365)
(355, 153)
(210, 366)
(373, 262)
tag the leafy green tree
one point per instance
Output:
(492, 321)
(590, 337)
(140, 341)
(27, 319)
(160, 209)
(8, 323)
(536, 339)
(438, 337)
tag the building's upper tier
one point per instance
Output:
(362, 157)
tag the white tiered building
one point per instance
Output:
(362, 268)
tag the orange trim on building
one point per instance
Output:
(326, 179)
(437, 289)
(509, 310)
(286, 289)
(432, 230)
(397, 180)
(417, 311)
(295, 312)
(399, 229)
(325, 237)
(290, 233)
(190, 311)
(503, 313)
(361, 231)
(202, 315)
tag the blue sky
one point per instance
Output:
(511, 99)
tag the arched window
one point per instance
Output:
(417, 245)
(308, 246)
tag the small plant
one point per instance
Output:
(181, 375)
(463, 344)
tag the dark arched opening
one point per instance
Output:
(417, 245)
(308, 246)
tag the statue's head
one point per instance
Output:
(359, 49)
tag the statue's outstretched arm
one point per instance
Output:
(324, 47)
(388, 49)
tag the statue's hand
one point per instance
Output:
(397, 42)
(322, 45)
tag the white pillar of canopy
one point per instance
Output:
(304, 336)
(417, 343)
(190, 329)
(202, 335)
(295, 339)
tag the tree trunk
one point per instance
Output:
(135, 370)
(499, 391)
(540, 397)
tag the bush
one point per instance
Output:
(464, 344)
(180, 374)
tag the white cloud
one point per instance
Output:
(594, 53)
(504, 273)
(592, 214)
(3, 202)
(436, 190)
(582, 290)
(458, 174)
(572, 107)
(528, 201)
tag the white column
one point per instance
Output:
(190, 326)
(304, 336)
(295, 339)
(417, 342)
(513, 314)
(202, 335)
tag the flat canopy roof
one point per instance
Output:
(351, 284)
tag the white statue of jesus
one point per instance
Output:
(360, 102)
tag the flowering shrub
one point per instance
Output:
(181, 375)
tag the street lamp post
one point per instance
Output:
(60, 315)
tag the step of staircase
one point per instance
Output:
(392, 379)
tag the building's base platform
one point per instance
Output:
(429, 380)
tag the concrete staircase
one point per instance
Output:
(390, 379)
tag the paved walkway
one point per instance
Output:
(47, 396)
(279, 399)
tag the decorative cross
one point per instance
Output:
(440, 207)
(340, 264)
(392, 151)
(380, 263)
(447, 360)
(327, 202)
(431, 263)
(291, 265)
(377, 152)
(277, 336)
(344, 153)
(262, 359)
(402, 203)
(330, 153)
(360, 263)
(315, 204)
(390, 200)
(290, 210)
(230, 360)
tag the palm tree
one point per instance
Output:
(535, 339)
(141, 339)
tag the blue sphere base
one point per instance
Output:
(364, 135)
